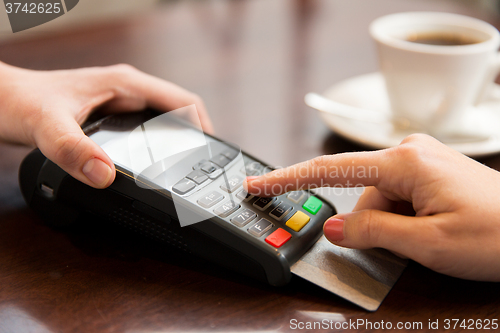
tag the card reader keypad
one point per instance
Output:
(264, 203)
(226, 209)
(295, 196)
(278, 237)
(197, 176)
(298, 221)
(244, 195)
(260, 228)
(272, 220)
(184, 186)
(208, 167)
(232, 183)
(281, 211)
(230, 153)
(210, 199)
(313, 205)
(243, 217)
(220, 160)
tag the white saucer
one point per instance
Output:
(368, 92)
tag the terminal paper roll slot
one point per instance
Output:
(363, 277)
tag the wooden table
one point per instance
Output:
(252, 62)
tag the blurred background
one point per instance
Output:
(97, 11)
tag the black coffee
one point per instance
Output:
(441, 38)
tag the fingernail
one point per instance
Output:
(248, 180)
(97, 171)
(334, 229)
(251, 178)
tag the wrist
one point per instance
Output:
(10, 99)
(3, 67)
(7, 70)
(6, 74)
(9, 77)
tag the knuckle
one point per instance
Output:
(416, 138)
(317, 169)
(319, 161)
(66, 149)
(410, 153)
(124, 68)
(416, 164)
(368, 228)
(120, 71)
(119, 79)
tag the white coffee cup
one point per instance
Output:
(431, 86)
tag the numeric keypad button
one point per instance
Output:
(244, 196)
(210, 199)
(226, 209)
(243, 218)
(232, 183)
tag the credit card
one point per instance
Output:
(363, 277)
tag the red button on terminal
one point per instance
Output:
(278, 238)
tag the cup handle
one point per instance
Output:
(493, 72)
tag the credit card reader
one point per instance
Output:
(191, 198)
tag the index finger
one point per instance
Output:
(341, 170)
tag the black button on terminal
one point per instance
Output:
(264, 203)
(260, 228)
(244, 195)
(281, 211)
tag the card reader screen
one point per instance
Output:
(158, 139)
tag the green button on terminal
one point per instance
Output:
(313, 205)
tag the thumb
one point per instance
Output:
(405, 235)
(63, 142)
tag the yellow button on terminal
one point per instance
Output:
(298, 221)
